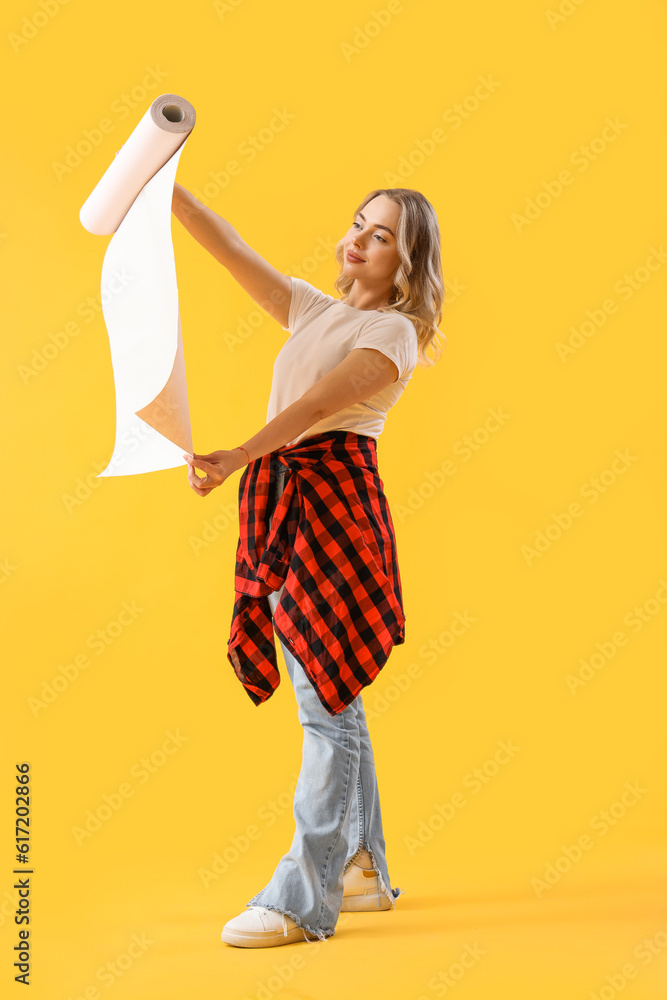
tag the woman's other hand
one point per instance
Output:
(216, 466)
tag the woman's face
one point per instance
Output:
(372, 239)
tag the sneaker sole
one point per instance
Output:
(257, 939)
(361, 902)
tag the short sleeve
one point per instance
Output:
(396, 337)
(304, 299)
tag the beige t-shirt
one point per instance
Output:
(323, 330)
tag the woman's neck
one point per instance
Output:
(366, 299)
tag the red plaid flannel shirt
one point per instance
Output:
(332, 543)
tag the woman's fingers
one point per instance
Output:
(203, 458)
(202, 492)
(208, 481)
(197, 462)
(193, 478)
(201, 486)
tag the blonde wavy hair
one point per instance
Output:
(419, 288)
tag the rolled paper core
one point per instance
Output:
(132, 200)
(162, 130)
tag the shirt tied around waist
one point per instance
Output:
(329, 538)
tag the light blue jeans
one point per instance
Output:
(336, 809)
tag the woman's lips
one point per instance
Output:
(353, 257)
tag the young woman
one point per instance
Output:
(317, 542)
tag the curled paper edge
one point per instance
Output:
(132, 201)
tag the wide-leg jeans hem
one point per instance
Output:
(320, 933)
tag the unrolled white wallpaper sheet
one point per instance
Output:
(133, 200)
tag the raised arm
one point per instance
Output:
(270, 289)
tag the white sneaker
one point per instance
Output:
(258, 927)
(362, 890)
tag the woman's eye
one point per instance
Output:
(381, 238)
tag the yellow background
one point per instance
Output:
(363, 98)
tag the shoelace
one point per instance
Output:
(264, 911)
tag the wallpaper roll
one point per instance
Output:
(132, 200)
